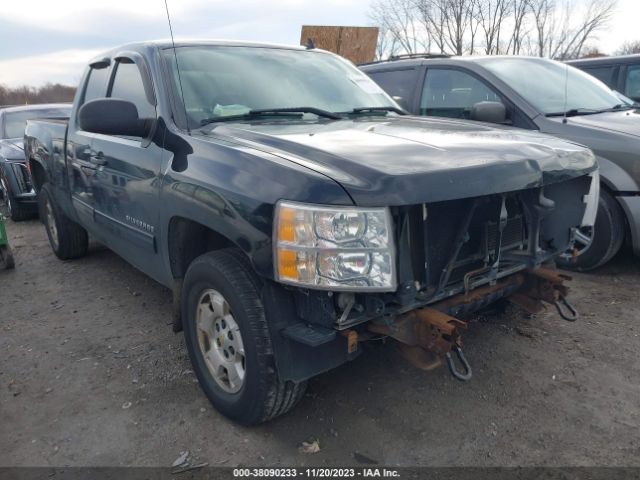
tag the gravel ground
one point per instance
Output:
(92, 375)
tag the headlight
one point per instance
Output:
(334, 248)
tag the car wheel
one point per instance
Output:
(16, 211)
(598, 244)
(228, 340)
(67, 239)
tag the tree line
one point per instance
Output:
(560, 29)
(24, 95)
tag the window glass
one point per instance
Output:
(97, 84)
(632, 82)
(128, 85)
(397, 83)
(219, 81)
(15, 122)
(601, 73)
(552, 87)
(452, 93)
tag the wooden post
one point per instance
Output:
(357, 44)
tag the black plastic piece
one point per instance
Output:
(312, 336)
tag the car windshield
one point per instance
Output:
(221, 81)
(15, 122)
(543, 84)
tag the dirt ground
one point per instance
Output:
(92, 375)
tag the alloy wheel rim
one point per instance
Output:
(220, 341)
(51, 224)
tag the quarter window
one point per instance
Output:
(452, 93)
(128, 85)
(96, 84)
(603, 74)
(632, 82)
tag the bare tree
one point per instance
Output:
(629, 48)
(448, 22)
(397, 18)
(25, 95)
(491, 15)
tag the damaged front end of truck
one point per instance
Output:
(454, 257)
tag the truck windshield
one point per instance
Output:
(221, 81)
(15, 122)
(542, 83)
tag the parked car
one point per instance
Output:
(543, 95)
(295, 211)
(15, 182)
(621, 73)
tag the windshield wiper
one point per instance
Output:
(399, 111)
(273, 112)
(573, 112)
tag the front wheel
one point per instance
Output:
(228, 340)
(6, 257)
(598, 244)
(16, 211)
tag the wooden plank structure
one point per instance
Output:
(357, 44)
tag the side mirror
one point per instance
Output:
(491, 112)
(401, 101)
(112, 116)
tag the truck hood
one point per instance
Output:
(11, 149)
(627, 121)
(410, 160)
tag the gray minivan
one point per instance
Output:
(537, 94)
(621, 73)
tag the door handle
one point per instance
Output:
(98, 159)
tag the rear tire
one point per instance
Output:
(67, 239)
(607, 237)
(222, 285)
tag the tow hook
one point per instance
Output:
(466, 376)
(565, 309)
(545, 285)
(427, 336)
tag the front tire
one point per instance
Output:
(228, 340)
(597, 245)
(67, 239)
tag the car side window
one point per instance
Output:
(452, 93)
(604, 74)
(128, 85)
(397, 83)
(632, 82)
(96, 86)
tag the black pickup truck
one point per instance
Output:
(295, 211)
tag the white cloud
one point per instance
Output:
(62, 67)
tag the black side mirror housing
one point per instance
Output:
(490, 112)
(112, 116)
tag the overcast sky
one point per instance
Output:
(51, 40)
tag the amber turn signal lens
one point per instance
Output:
(287, 264)
(286, 225)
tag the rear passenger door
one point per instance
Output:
(631, 82)
(130, 172)
(83, 172)
(451, 93)
(402, 84)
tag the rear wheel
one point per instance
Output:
(598, 244)
(228, 340)
(67, 239)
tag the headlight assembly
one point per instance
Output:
(334, 248)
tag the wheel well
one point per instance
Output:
(188, 240)
(38, 174)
